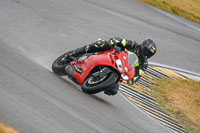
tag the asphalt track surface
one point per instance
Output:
(33, 33)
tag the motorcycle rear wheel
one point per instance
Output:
(58, 67)
(107, 81)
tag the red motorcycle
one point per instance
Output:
(98, 72)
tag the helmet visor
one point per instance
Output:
(148, 52)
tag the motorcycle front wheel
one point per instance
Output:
(92, 85)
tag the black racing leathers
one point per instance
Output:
(101, 45)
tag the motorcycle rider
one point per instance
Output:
(144, 51)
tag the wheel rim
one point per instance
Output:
(95, 80)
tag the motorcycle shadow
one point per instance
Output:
(96, 97)
(78, 87)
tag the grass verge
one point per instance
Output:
(189, 9)
(181, 100)
(5, 129)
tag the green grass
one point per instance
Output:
(181, 100)
(189, 9)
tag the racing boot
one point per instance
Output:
(79, 51)
(112, 90)
(72, 55)
(68, 57)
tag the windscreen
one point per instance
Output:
(132, 59)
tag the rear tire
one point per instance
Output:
(59, 68)
(105, 84)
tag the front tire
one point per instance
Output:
(58, 67)
(108, 81)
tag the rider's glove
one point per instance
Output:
(114, 41)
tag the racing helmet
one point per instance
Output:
(148, 48)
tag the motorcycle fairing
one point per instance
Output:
(106, 58)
